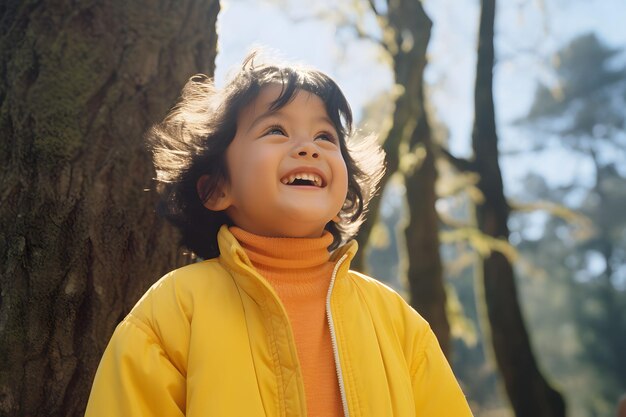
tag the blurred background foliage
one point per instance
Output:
(570, 256)
(572, 264)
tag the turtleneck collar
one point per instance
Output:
(284, 252)
(298, 269)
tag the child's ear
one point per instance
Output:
(219, 199)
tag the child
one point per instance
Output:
(265, 182)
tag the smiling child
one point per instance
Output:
(267, 183)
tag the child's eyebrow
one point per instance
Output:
(269, 113)
(261, 117)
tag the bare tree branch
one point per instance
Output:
(461, 164)
(373, 7)
(342, 21)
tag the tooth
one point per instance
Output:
(308, 176)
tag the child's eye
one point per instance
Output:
(275, 130)
(329, 137)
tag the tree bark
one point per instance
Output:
(425, 270)
(80, 82)
(529, 392)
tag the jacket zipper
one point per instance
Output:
(333, 338)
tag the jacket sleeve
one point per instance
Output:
(135, 376)
(435, 389)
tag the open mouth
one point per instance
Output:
(303, 178)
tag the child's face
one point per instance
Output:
(287, 175)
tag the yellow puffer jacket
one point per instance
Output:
(213, 339)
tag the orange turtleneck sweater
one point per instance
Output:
(299, 270)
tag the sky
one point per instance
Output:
(528, 32)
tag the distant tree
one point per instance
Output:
(584, 113)
(566, 297)
(527, 389)
(410, 153)
(80, 82)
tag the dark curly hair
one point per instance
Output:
(193, 138)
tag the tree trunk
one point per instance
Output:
(529, 392)
(80, 82)
(425, 271)
(411, 27)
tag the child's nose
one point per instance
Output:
(307, 150)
